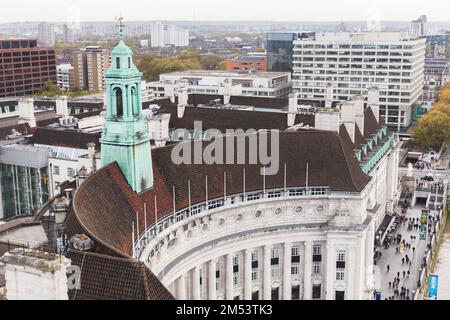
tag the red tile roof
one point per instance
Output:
(109, 278)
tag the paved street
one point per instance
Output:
(394, 260)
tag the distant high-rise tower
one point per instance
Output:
(125, 137)
(157, 35)
(46, 34)
(90, 65)
(419, 27)
(69, 37)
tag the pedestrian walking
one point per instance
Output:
(404, 274)
(414, 249)
(403, 261)
(388, 267)
(408, 273)
(390, 285)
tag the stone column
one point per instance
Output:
(331, 266)
(229, 294)
(212, 292)
(267, 286)
(350, 272)
(248, 275)
(287, 285)
(181, 287)
(307, 271)
(370, 235)
(196, 283)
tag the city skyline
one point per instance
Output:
(198, 10)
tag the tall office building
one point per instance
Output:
(46, 34)
(162, 36)
(355, 62)
(280, 49)
(157, 35)
(69, 36)
(25, 67)
(90, 65)
(419, 27)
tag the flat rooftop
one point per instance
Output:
(225, 74)
(378, 37)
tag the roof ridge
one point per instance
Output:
(350, 172)
(143, 268)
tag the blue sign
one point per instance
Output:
(377, 295)
(433, 287)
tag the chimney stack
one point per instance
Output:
(169, 90)
(328, 120)
(373, 101)
(35, 275)
(91, 151)
(353, 111)
(61, 107)
(26, 112)
(293, 108)
(351, 130)
(183, 98)
(227, 94)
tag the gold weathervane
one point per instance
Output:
(120, 23)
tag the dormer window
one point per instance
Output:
(117, 63)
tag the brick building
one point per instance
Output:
(247, 64)
(25, 67)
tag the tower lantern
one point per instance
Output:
(125, 136)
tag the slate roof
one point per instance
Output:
(105, 206)
(65, 138)
(223, 119)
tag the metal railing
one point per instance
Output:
(208, 206)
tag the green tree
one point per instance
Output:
(212, 62)
(49, 89)
(152, 67)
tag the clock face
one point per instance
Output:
(299, 210)
(258, 214)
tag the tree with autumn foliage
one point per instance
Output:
(189, 59)
(433, 129)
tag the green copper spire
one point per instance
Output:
(125, 136)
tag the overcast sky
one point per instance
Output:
(274, 10)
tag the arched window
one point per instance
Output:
(129, 63)
(119, 102)
(117, 63)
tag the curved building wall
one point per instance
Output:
(285, 248)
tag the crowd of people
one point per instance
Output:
(426, 183)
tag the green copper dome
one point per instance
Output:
(122, 61)
(122, 49)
